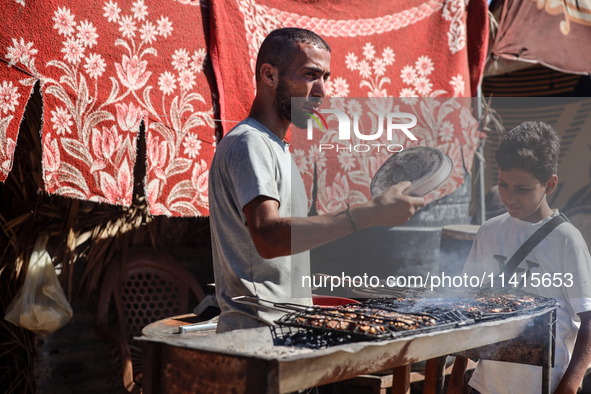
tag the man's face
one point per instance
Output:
(523, 194)
(305, 77)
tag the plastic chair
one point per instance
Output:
(149, 286)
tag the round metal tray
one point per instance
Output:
(425, 167)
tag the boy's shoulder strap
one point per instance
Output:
(532, 242)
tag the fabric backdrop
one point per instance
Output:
(549, 32)
(13, 99)
(424, 48)
(103, 66)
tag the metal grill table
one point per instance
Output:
(247, 361)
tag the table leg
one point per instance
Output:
(401, 380)
(150, 367)
(434, 371)
(547, 355)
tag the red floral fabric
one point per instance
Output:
(419, 48)
(15, 89)
(102, 68)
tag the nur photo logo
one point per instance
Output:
(316, 116)
(388, 127)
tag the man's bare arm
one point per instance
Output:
(272, 235)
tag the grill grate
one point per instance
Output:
(478, 305)
(359, 321)
(307, 338)
(388, 318)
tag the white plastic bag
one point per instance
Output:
(40, 305)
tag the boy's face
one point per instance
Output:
(524, 195)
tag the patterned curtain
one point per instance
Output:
(103, 68)
(106, 66)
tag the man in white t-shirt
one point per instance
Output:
(260, 232)
(528, 163)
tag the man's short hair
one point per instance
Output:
(532, 146)
(281, 46)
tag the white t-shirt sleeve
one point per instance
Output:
(577, 278)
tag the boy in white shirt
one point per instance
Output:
(528, 163)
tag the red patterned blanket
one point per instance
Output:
(102, 69)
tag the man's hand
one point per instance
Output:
(391, 208)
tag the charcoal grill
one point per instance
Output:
(256, 361)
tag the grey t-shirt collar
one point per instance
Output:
(261, 127)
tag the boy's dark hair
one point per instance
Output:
(280, 47)
(532, 146)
